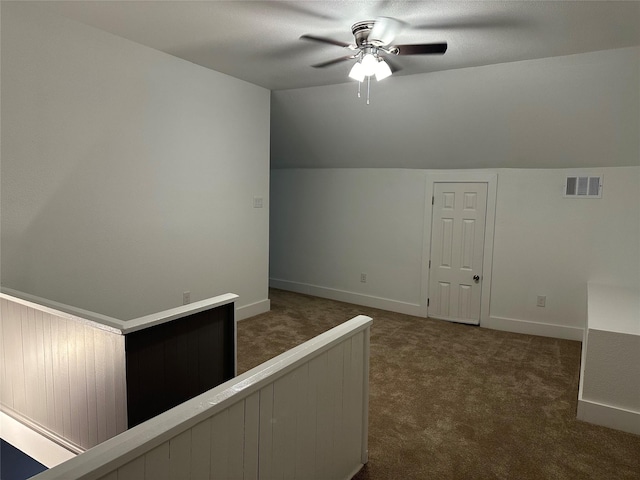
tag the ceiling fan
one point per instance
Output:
(373, 47)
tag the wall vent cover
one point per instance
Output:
(579, 186)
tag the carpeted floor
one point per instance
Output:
(451, 401)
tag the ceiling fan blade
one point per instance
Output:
(333, 62)
(385, 30)
(330, 41)
(422, 49)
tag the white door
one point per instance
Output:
(457, 245)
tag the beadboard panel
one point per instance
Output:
(63, 376)
(174, 361)
(302, 415)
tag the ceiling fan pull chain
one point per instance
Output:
(359, 83)
(368, 88)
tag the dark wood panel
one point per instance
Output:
(175, 361)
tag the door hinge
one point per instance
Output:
(427, 302)
(429, 263)
(433, 200)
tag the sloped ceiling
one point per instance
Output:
(554, 110)
(258, 41)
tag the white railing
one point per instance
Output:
(303, 415)
(63, 370)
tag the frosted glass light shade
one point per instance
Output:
(357, 72)
(369, 63)
(382, 70)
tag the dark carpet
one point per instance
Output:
(451, 401)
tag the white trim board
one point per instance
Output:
(608, 416)
(495, 323)
(113, 324)
(37, 446)
(253, 309)
(491, 179)
(534, 328)
(348, 297)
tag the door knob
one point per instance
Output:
(476, 278)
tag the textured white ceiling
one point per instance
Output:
(258, 41)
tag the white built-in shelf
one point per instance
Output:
(609, 392)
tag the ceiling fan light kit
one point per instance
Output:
(372, 42)
(369, 65)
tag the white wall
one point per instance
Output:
(549, 245)
(330, 225)
(548, 117)
(128, 175)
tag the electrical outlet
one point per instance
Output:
(541, 301)
(186, 298)
(257, 202)
(363, 277)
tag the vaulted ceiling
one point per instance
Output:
(259, 41)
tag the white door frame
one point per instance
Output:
(491, 179)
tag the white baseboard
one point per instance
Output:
(348, 297)
(533, 328)
(253, 309)
(37, 446)
(608, 416)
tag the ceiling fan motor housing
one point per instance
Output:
(361, 31)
